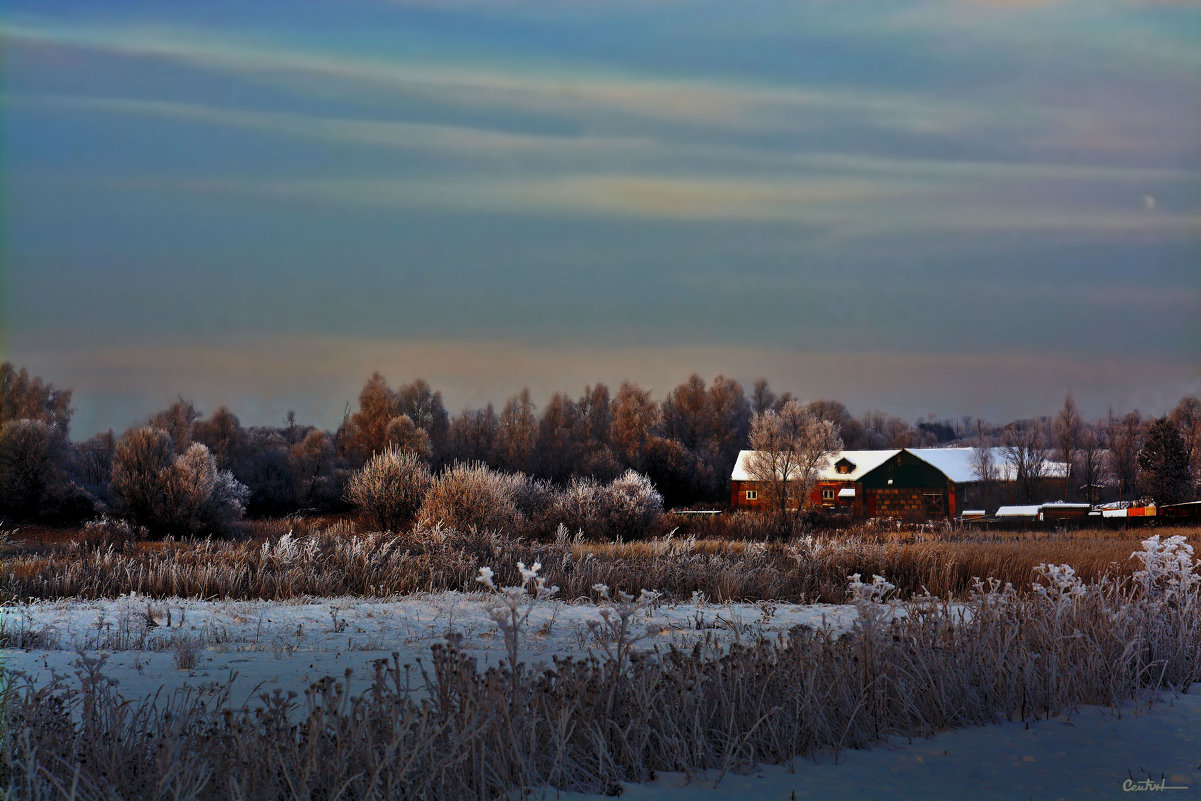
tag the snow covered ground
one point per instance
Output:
(1095, 753)
(289, 644)
(286, 645)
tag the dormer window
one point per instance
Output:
(844, 467)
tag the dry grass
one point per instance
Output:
(447, 730)
(338, 561)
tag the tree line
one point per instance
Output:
(189, 472)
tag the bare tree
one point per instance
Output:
(1067, 440)
(558, 446)
(1125, 441)
(473, 435)
(404, 434)
(224, 436)
(365, 432)
(790, 448)
(424, 407)
(984, 466)
(517, 434)
(313, 463)
(636, 420)
(1024, 450)
(762, 398)
(1090, 462)
(177, 420)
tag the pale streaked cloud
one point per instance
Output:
(931, 205)
(455, 139)
(545, 88)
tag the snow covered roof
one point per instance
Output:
(864, 462)
(954, 463)
(1018, 511)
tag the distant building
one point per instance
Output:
(906, 482)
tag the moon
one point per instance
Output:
(1149, 202)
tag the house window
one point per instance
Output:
(752, 495)
(827, 494)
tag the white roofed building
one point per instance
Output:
(902, 482)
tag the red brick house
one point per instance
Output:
(906, 482)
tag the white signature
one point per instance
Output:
(1132, 786)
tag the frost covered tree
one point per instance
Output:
(790, 448)
(170, 494)
(1163, 463)
(390, 488)
(25, 397)
(210, 500)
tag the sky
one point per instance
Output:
(961, 207)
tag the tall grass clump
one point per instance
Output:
(451, 730)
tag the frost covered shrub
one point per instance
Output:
(171, 494)
(629, 507)
(1168, 567)
(106, 532)
(535, 501)
(389, 489)
(469, 496)
(635, 506)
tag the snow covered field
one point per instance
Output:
(286, 645)
(289, 644)
(1095, 753)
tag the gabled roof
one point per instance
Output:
(954, 463)
(864, 461)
